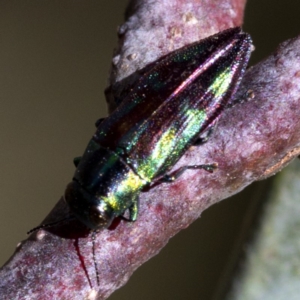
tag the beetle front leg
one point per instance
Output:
(133, 211)
(172, 177)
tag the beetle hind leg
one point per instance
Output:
(172, 177)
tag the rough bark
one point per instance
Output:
(253, 140)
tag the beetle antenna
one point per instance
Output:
(94, 256)
(69, 218)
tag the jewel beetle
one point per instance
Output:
(169, 108)
(174, 104)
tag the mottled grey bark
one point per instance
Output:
(253, 140)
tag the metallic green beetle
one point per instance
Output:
(173, 103)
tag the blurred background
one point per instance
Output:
(54, 62)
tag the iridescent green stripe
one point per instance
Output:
(171, 144)
(195, 119)
(148, 168)
(129, 186)
(222, 82)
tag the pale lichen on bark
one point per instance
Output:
(252, 141)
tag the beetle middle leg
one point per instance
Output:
(203, 139)
(175, 175)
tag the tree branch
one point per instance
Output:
(253, 140)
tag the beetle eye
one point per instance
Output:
(100, 216)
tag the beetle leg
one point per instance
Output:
(207, 134)
(133, 211)
(172, 177)
(76, 161)
(247, 96)
(203, 139)
(99, 121)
